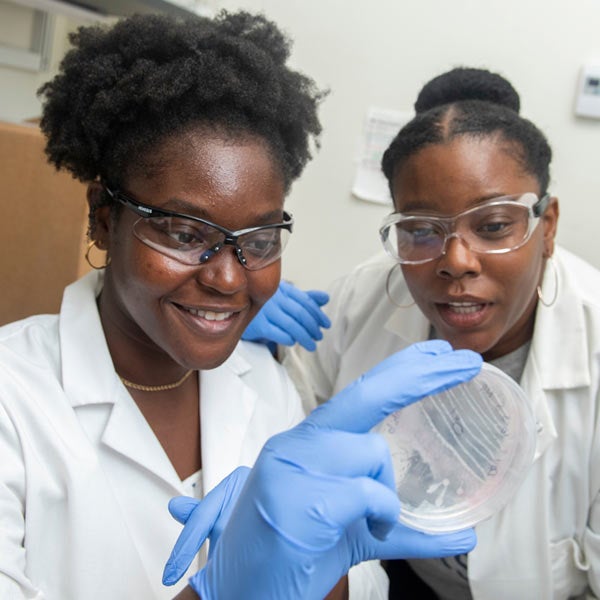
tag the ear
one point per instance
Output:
(99, 215)
(550, 223)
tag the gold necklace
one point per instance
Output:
(155, 388)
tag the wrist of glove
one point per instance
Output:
(321, 496)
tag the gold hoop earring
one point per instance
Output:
(387, 289)
(539, 287)
(89, 262)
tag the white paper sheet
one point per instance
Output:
(381, 126)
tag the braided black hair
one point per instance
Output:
(473, 102)
(123, 89)
(464, 83)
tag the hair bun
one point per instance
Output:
(464, 83)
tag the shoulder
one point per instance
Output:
(31, 394)
(254, 356)
(579, 276)
(365, 281)
(34, 340)
(38, 337)
(258, 368)
(362, 292)
(371, 268)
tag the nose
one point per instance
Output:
(222, 270)
(457, 259)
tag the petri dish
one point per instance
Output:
(460, 455)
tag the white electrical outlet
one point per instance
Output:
(588, 91)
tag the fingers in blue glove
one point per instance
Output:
(311, 301)
(321, 298)
(202, 519)
(417, 371)
(299, 314)
(182, 507)
(315, 521)
(404, 542)
(338, 454)
(291, 316)
(285, 322)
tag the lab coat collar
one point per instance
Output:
(88, 373)
(558, 343)
(560, 332)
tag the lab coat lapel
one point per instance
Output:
(89, 378)
(128, 433)
(554, 361)
(87, 369)
(226, 409)
(114, 428)
(560, 334)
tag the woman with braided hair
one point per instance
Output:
(471, 259)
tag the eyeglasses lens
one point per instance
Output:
(494, 228)
(187, 241)
(261, 248)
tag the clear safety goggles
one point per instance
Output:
(495, 227)
(193, 241)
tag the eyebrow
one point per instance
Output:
(187, 208)
(419, 207)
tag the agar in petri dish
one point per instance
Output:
(460, 455)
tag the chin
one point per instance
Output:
(210, 357)
(469, 342)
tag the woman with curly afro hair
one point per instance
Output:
(189, 134)
(140, 393)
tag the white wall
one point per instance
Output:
(380, 53)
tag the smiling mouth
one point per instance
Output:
(464, 308)
(209, 315)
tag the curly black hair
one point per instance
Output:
(123, 89)
(473, 102)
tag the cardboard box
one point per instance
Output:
(43, 226)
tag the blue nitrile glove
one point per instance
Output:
(290, 316)
(207, 521)
(321, 496)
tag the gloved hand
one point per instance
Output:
(321, 496)
(203, 518)
(290, 316)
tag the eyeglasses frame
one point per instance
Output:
(536, 210)
(231, 237)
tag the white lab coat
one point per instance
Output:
(545, 544)
(84, 483)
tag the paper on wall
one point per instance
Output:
(381, 126)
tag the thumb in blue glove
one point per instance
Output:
(205, 518)
(321, 496)
(290, 316)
